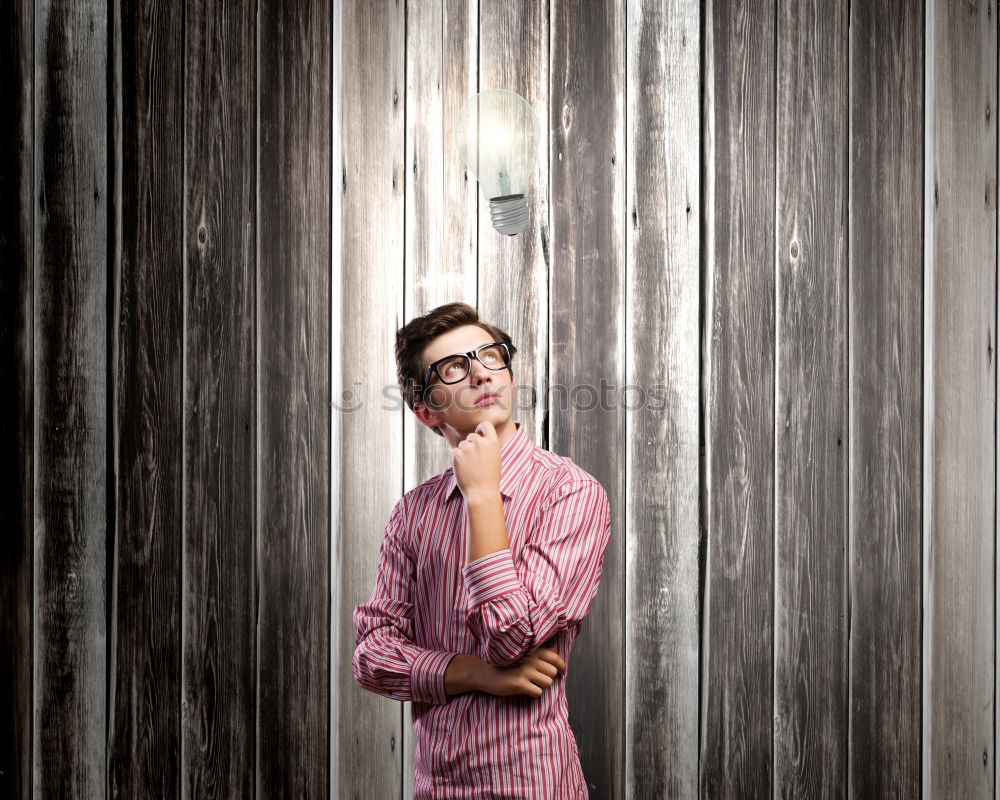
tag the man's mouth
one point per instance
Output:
(487, 399)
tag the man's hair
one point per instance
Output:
(412, 339)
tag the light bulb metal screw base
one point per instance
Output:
(509, 213)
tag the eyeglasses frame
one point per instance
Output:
(472, 354)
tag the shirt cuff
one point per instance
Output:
(490, 577)
(427, 676)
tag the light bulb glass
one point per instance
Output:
(496, 135)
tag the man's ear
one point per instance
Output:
(425, 415)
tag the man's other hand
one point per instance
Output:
(534, 675)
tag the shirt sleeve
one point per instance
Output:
(514, 608)
(386, 660)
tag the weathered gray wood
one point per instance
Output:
(71, 377)
(962, 457)
(441, 212)
(192, 298)
(143, 755)
(441, 195)
(293, 489)
(513, 270)
(17, 154)
(736, 678)
(886, 397)
(220, 420)
(660, 505)
(587, 284)
(810, 452)
(374, 179)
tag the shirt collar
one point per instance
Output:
(515, 454)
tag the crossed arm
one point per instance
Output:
(511, 609)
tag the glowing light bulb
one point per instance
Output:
(496, 136)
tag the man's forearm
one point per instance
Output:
(487, 526)
(462, 674)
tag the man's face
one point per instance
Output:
(454, 405)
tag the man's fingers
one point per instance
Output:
(486, 428)
(556, 659)
(552, 657)
(548, 668)
(540, 678)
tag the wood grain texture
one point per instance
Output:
(586, 347)
(441, 194)
(513, 274)
(441, 204)
(886, 398)
(17, 149)
(810, 456)
(143, 752)
(736, 675)
(962, 458)
(71, 377)
(374, 180)
(293, 307)
(220, 421)
(169, 559)
(661, 503)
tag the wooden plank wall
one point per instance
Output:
(17, 396)
(370, 729)
(148, 384)
(769, 230)
(71, 428)
(885, 399)
(810, 399)
(586, 345)
(959, 743)
(738, 623)
(219, 595)
(663, 446)
(293, 398)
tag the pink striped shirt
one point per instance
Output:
(428, 604)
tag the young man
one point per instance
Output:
(486, 572)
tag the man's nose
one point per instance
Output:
(479, 371)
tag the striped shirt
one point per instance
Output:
(428, 604)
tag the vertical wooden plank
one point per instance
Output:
(293, 263)
(963, 445)
(513, 284)
(373, 181)
(810, 455)
(662, 290)
(70, 444)
(736, 676)
(884, 376)
(219, 630)
(441, 195)
(441, 204)
(587, 279)
(16, 396)
(144, 737)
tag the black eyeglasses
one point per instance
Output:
(454, 368)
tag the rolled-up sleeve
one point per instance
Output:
(386, 660)
(514, 608)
